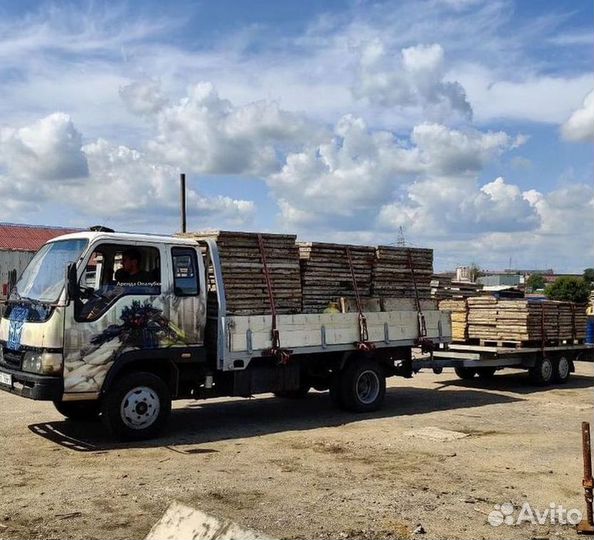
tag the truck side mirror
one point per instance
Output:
(71, 282)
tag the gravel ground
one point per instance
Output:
(441, 454)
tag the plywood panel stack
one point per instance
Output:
(441, 287)
(326, 274)
(465, 289)
(482, 313)
(523, 320)
(243, 272)
(459, 309)
(392, 276)
(580, 320)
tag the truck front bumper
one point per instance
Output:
(30, 385)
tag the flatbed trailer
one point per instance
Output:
(546, 364)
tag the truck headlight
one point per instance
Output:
(45, 363)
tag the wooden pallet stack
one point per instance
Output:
(523, 320)
(580, 319)
(392, 275)
(441, 287)
(459, 309)
(482, 313)
(465, 289)
(326, 275)
(242, 267)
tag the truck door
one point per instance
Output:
(122, 306)
(188, 301)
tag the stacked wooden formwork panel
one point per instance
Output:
(459, 310)
(242, 258)
(524, 321)
(398, 269)
(326, 274)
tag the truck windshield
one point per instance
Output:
(43, 279)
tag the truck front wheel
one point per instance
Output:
(136, 407)
(362, 386)
(83, 411)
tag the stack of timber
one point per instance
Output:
(441, 287)
(465, 289)
(482, 313)
(580, 320)
(393, 275)
(459, 309)
(524, 321)
(326, 274)
(242, 266)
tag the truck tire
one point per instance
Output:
(299, 393)
(81, 411)
(562, 367)
(486, 372)
(362, 386)
(542, 373)
(136, 407)
(465, 373)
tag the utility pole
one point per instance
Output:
(182, 197)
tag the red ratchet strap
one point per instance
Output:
(282, 355)
(422, 326)
(363, 344)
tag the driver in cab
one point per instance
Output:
(131, 273)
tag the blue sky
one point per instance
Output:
(469, 123)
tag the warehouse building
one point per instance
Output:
(18, 244)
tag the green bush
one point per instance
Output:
(570, 289)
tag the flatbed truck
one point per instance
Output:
(99, 345)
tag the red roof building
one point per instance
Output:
(16, 237)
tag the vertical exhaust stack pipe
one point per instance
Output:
(182, 197)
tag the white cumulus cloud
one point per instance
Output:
(208, 134)
(415, 78)
(48, 149)
(580, 125)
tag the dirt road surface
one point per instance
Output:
(441, 454)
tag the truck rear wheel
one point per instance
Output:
(83, 411)
(137, 406)
(562, 369)
(465, 373)
(542, 372)
(361, 386)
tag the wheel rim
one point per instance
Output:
(546, 369)
(368, 387)
(563, 368)
(140, 407)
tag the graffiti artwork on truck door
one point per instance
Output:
(141, 326)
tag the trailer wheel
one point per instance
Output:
(83, 411)
(542, 372)
(562, 369)
(362, 386)
(486, 372)
(465, 373)
(136, 407)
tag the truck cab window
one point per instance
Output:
(185, 274)
(114, 271)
